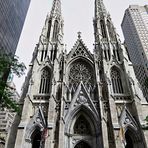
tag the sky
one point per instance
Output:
(78, 16)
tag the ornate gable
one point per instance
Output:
(126, 119)
(79, 49)
(81, 98)
(37, 121)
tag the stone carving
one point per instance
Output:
(80, 72)
(80, 52)
(126, 119)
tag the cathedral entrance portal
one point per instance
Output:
(82, 144)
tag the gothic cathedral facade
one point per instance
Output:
(81, 99)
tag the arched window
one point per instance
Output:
(103, 29)
(43, 55)
(116, 54)
(116, 80)
(107, 55)
(82, 127)
(55, 31)
(45, 82)
(81, 71)
(82, 144)
(49, 29)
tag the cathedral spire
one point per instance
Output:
(56, 8)
(99, 8)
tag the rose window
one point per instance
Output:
(80, 72)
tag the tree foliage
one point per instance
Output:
(9, 64)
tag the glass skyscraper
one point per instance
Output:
(12, 17)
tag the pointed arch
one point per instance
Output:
(55, 30)
(31, 130)
(92, 124)
(45, 81)
(49, 29)
(116, 80)
(133, 138)
(82, 144)
(103, 29)
(89, 115)
(36, 138)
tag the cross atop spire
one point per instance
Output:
(56, 7)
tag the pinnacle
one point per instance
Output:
(79, 35)
(56, 7)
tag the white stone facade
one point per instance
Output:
(79, 99)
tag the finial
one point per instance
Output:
(79, 35)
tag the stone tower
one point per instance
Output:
(79, 99)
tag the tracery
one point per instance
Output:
(80, 71)
(82, 126)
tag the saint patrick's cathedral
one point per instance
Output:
(80, 99)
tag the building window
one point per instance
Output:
(103, 29)
(116, 81)
(49, 29)
(45, 82)
(107, 55)
(43, 55)
(55, 31)
(116, 54)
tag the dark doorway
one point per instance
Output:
(82, 145)
(36, 139)
(129, 142)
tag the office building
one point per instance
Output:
(12, 17)
(135, 30)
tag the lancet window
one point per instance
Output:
(45, 82)
(107, 55)
(116, 81)
(103, 29)
(81, 71)
(43, 55)
(116, 54)
(49, 29)
(55, 31)
(82, 127)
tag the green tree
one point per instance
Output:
(9, 64)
